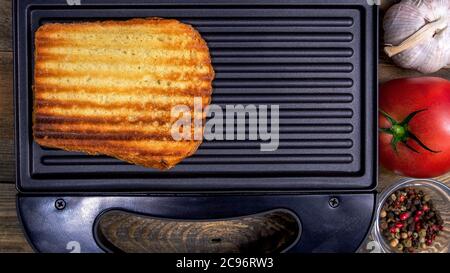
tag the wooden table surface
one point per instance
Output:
(11, 236)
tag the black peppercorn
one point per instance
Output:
(391, 215)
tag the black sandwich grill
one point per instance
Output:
(317, 60)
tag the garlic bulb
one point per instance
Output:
(417, 34)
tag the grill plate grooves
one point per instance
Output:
(310, 60)
(254, 54)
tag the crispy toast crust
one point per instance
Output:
(108, 87)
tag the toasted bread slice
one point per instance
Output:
(109, 88)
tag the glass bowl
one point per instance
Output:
(439, 193)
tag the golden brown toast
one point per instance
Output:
(109, 87)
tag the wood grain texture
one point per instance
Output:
(7, 168)
(5, 25)
(388, 71)
(386, 178)
(269, 232)
(11, 236)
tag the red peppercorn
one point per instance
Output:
(419, 212)
(404, 216)
(402, 198)
(399, 225)
(429, 242)
(418, 227)
(425, 208)
(392, 229)
(416, 218)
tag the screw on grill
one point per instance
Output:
(333, 202)
(60, 204)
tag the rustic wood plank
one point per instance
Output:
(5, 25)
(11, 235)
(269, 232)
(389, 71)
(387, 178)
(6, 119)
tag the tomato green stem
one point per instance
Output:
(400, 132)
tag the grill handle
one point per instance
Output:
(304, 223)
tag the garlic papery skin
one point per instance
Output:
(417, 34)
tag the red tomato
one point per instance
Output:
(418, 145)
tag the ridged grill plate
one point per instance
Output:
(315, 60)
